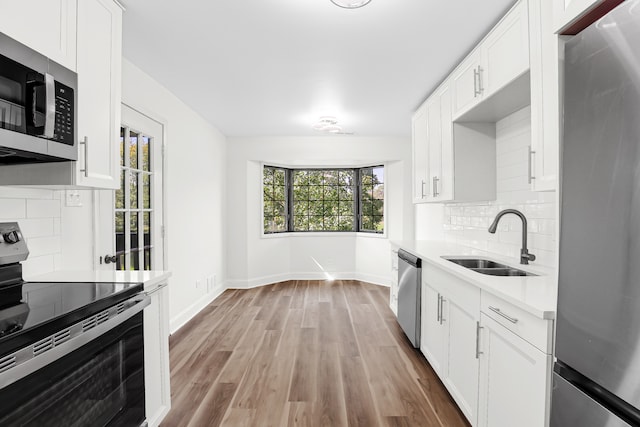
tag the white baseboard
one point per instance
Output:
(181, 319)
(315, 275)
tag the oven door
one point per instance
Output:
(100, 383)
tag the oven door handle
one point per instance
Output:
(25, 361)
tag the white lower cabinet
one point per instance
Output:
(156, 355)
(495, 359)
(450, 315)
(514, 379)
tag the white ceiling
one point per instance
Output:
(272, 67)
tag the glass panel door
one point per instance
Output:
(138, 201)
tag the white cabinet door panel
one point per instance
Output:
(432, 333)
(466, 92)
(462, 372)
(46, 26)
(505, 51)
(99, 70)
(420, 155)
(513, 379)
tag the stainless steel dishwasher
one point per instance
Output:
(409, 278)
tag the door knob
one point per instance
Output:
(110, 259)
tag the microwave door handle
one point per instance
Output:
(50, 112)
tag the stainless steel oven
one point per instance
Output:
(71, 354)
(37, 107)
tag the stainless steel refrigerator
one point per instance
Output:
(597, 374)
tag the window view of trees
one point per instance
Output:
(323, 199)
(275, 200)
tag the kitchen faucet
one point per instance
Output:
(525, 256)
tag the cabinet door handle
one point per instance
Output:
(500, 313)
(478, 352)
(85, 142)
(475, 83)
(438, 312)
(442, 319)
(435, 186)
(422, 189)
(531, 154)
(480, 85)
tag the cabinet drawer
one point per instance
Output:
(538, 332)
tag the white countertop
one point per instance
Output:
(150, 278)
(534, 294)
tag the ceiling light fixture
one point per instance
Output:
(327, 124)
(350, 4)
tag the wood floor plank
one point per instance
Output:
(211, 410)
(303, 353)
(303, 381)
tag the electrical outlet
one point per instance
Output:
(72, 199)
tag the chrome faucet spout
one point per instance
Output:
(525, 256)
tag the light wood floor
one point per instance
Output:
(303, 353)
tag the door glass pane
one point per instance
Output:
(133, 150)
(146, 191)
(133, 189)
(146, 164)
(147, 259)
(122, 132)
(134, 230)
(135, 260)
(120, 192)
(120, 244)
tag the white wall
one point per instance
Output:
(195, 178)
(254, 259)
(467, 223)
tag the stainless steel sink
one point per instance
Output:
(486, 266)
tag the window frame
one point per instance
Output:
(289, 203)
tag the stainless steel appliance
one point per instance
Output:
(409, 278)
(71, 354)
(37, 107)
(597, 374)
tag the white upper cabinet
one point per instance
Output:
(505, 51)
(499, 59)
(46, 26)
(419, 153)
(545, 100)
(451, 162)
(99, 58)
(467, 83)
(99, 92)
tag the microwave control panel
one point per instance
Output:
(64, 126)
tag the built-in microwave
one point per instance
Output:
(37, 107)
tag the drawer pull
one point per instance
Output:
(500, 313)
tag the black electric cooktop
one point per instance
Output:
(30, 311)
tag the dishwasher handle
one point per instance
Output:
(410, 259)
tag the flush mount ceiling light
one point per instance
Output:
(350, 4)
(327, 124)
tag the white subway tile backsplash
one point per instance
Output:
(11, 209)
(467, 223)
(37, 212)
(43, 208)
(37, 227)
(39, 246)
